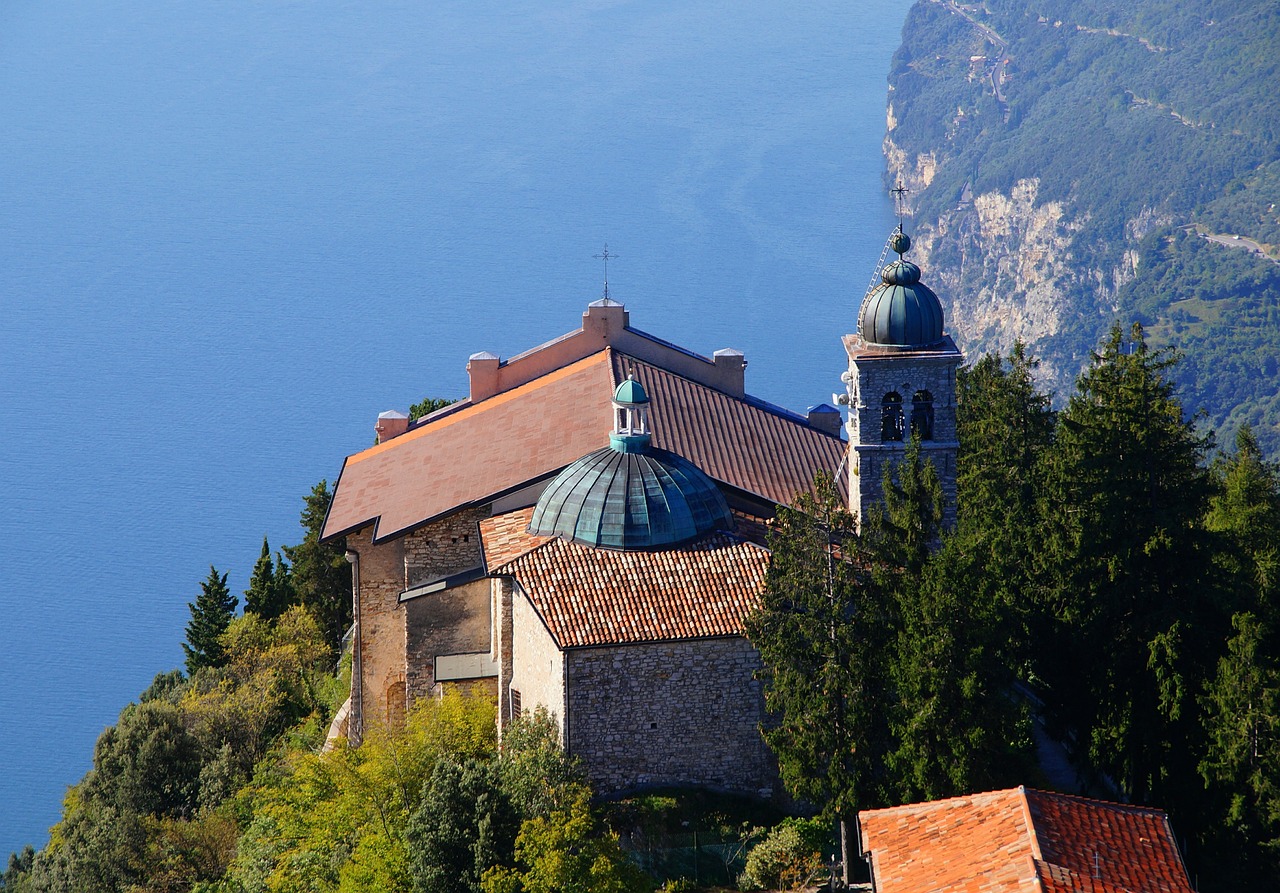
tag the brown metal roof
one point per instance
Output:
(589, 596)
(745, 443)
(469, 455)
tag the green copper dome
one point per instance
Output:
(900, 311)
(630, 495)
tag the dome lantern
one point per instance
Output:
(630, 495)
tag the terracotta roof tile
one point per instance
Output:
(506, 537)
(600, 597)
(1022, 839)
(465, 456)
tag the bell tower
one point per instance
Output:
(901, 380)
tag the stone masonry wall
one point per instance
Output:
(443, 547)
(672, 713)
(453, 621)
(869, 381)
(380, 635)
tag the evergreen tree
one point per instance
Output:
(428, 405)
(821, 630)
(270, 591)
(211, 614)
(1128, 586)
(1241, 763)
(321, 575)
(955, 723)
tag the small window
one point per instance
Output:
(515, 704)
(891, 421)
(922, 415)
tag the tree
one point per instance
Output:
(270, 589)
(211, 614)
(321, 575)
(821, 629)
(428, 405)
(1128, 586)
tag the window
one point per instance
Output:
(922, 415)
(515, 704)
(891, 422)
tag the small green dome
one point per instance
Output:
(630, 391)
(900, 311)
(630, 501)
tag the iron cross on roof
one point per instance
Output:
(606, 257)
(899, 200)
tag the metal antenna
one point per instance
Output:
(605, 256)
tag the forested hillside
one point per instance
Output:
(1067, 160)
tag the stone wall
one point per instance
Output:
(443, 547)
(672, 713)
(870, 378)
(378, 689)
(452, 621)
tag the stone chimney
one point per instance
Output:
(731, 371)
(826, 418)
(391, 424)
(605, 318)
(483, 369)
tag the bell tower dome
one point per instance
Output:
(901, 381)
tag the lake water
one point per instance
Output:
(233, 232)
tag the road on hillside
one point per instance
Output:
(1232, 241)
(997, 72)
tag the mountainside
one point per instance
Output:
(1072, 162)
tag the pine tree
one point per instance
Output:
(1127, 580)
(321, 575)
(820, 631)
(211, 614)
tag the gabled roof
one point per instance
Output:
(588, 597)
(1022, 840)
(551, 415)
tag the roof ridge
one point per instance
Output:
(1037, 855)
(1105, 804)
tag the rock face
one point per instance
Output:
(1007, 267)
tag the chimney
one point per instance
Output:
(483, 369)
(826, 418)
(391, 424)
(731, 371)
(605, 318)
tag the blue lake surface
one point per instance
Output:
(233, 232)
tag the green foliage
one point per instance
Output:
(1129, 560)
(788, 858)
(428, 405)
(567, 852)
(211, 613)
(821, 630)
(320, 575)
(270, 589)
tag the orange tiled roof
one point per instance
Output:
(591, 596)
(470, 454)
(1023, 840)
(506, 537)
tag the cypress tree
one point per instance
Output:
(211, 614)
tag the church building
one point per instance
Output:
(585, 532)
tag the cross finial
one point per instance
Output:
(899, 200)
(606, 257)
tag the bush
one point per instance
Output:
(789, 857)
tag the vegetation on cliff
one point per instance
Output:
(1057, 148)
